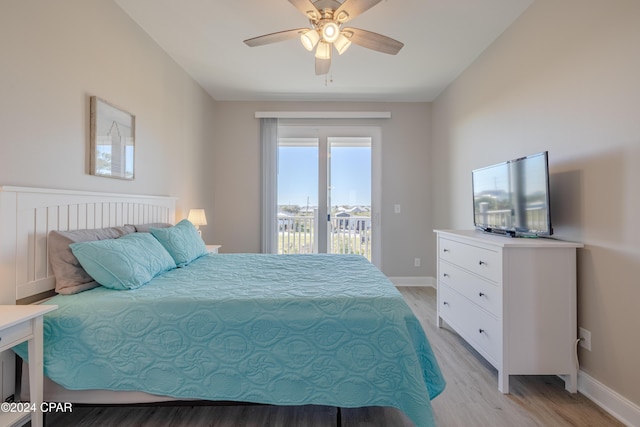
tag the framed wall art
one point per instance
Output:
(112, 140)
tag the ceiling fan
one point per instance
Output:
(327, 18)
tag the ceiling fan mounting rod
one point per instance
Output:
(326, 13)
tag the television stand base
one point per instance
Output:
(505, 233)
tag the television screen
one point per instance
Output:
(513, 197)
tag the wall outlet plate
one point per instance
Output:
(585, 338)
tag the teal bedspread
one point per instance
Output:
(275, 329)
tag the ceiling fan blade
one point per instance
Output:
(352, 8)
(274, 37)
(322, 66)
(373, 41)
(307, 8)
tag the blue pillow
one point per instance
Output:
(124, 263)
(182, 241)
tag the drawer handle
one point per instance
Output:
(481, 331)
(445, 250)
(446, 275)
(482, 263)
(481, 294)
(445, 303)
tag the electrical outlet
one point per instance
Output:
(585, 338)
(396, 208)
(416, 262)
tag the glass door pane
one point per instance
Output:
(297, 195)
(349, 195)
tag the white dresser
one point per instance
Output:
(513, 300)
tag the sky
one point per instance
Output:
(350, 176)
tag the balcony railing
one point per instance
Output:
(296, 235)
(347, 235)
(536, 218)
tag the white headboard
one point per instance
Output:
(28, 214)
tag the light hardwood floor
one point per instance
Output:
(470, 399)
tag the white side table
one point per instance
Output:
(213, 249)
(20, 323)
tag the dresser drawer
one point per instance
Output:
(482, 292)
(15, 334)
(476, 326)
(484, 262)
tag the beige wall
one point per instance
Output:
(53, 56)
(563, 78)
(235, 177)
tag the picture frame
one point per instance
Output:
(112, 140)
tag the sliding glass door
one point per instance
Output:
(326, 191)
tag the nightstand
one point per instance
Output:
(20, 323)
(213, 249)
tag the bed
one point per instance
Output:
(284, 330)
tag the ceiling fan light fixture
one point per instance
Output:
(326, 19)
(309, 39)
(330, 32)
(323, 51)
(342, 44)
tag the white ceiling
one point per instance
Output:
(205, 37)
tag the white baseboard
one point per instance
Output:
(418, 281)
(611, 401)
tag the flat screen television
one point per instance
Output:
(512, 198)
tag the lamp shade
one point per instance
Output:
(309, 39)
(197, 217)
(342, 44)
(323, 51)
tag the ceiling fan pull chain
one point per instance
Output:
(328, 79)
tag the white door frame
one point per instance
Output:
(323, 133)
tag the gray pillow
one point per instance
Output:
(144, 228)
(70, 276)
